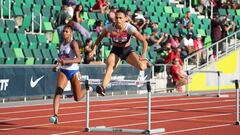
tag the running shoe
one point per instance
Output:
(100, 90)
(53, 119)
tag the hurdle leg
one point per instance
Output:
(87, 105)
(149, 105)
(149, 130)
(237, 102)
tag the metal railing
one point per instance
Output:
(206, 56)
(32, 31)
(9, 9)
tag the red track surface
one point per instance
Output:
(179, 115)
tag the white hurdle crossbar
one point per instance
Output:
(205, 71)
(237, 100)
(120, 130)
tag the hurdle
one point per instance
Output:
(237, 100)
(207, 71)
(121, 130)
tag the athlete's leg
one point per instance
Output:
(111, 64)
(61, 84)
(134, 60)
(78, 93)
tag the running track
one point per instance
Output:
(179, 115)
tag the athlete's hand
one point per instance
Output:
(92, 53)
(142, 57)
(56, 68)
(61, 61)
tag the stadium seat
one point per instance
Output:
(36, 9)
(5, 8)
(47, 57)
(54, 53)
(47, 26)
(14, 40)
(10, 26)
(4, 39)
(222, 11)
(201, 32)
(19, 56)
(238, 12)
(55, 38)
(46, 11)
(42, 41)
(38, 56)
(26, 9)
(32, 40)
(2, 57)
(17, 10)
(23, 40)
(168, 9)
(52, 46)
(207, 41)
(27, 19)
(58, 2)
(2, 25)
(48, 2)
(84, 15)
(29, 58)
(10, 58)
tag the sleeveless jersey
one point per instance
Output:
(66, 52)
(122, 37)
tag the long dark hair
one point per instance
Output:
(76, 10)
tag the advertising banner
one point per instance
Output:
(23, 81)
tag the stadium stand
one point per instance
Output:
(42, 39)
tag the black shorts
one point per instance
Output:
(122, 52)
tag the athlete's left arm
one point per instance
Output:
(140, 37)
(77, 59)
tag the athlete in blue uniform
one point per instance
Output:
(68, 67)
(121, 33)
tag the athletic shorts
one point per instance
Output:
(122, 52)
(69, 73)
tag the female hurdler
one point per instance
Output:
(121, 33)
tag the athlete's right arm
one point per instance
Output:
(98, 40)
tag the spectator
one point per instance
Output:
(227, 26)
(78, 12)
(185, 22)
(98, 26)
(198, 43)
(216, 31)
(75, 23)
(169, 54)
(101, 6)
(154, 40)
(187, 44)
(62, 18)
(111, 15)
(174, 40)
(129, 16)
(178, 75)
(87, 50)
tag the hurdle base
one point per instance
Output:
(223, 96)
(120, 130)
(237, 123)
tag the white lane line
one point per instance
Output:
(102, 104)
(161, 121)
(110, 110)
(110, 117)
(200, 128)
